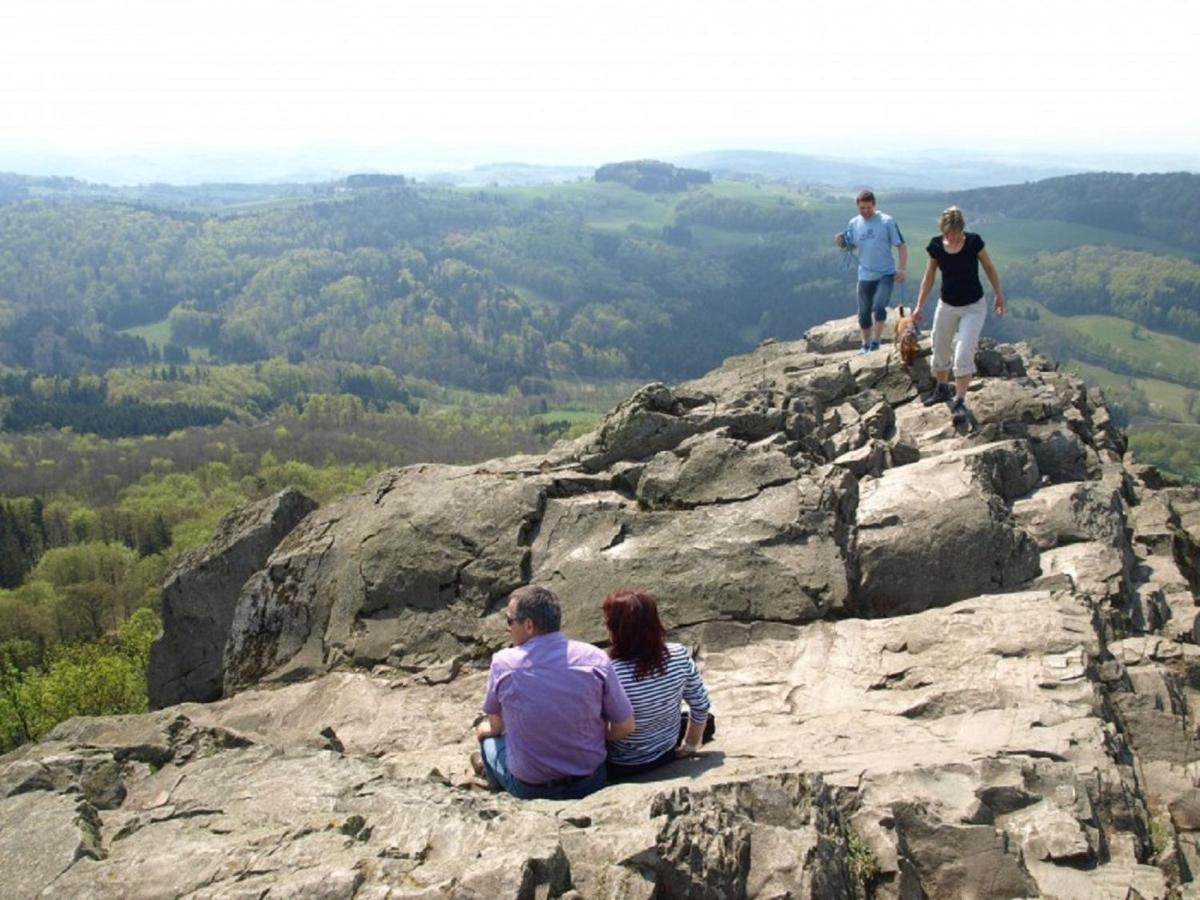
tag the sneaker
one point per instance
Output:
(958, 412)
(874, 345)
(865, 348)
(939, 394)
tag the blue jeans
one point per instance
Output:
(874, 294)
(494, 751)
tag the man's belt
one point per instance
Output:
(557, 782)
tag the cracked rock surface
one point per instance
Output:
(945, 663)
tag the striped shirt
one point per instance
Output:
(656, 700)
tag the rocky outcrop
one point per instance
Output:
(788, 485)
(200, 595)
(946, 663)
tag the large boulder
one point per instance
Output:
(1075, 511)
(200, 595)
(779, 555)
(939, 530)
(404, 567)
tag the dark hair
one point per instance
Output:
(636, 632)
(539, 605)
(865, 195)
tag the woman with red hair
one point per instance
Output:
(657, 677)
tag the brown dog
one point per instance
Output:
(906, 337)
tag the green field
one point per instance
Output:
(611, 207)
(1167, 400)
(158, 334)
(1150, 347)
(1012, 239)
(614, 207)
(1151, 353)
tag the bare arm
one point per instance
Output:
(618, 730)
(902, 272)
(493, 727)
(926, 287)
(691, 739)
(994, 277)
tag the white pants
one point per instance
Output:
(967, 321)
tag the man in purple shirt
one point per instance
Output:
(551, 705)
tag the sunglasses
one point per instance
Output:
(510, 619)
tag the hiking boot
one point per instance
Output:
(874, 345)
(865, 348)
(958, 412)
(939, 394)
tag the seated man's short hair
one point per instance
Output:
(539, 605)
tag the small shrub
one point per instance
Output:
(864, 868)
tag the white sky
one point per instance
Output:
(570, 81)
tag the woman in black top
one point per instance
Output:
(960, 311)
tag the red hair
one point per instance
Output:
(635, 631)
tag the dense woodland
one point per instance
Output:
(169, 356)
(1165, 207)
(1161, 293)
(473, 289)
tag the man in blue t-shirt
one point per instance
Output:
(873, 235)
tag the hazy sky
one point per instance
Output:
(466, 80)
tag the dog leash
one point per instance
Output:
(850, 263)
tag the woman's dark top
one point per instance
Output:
(960, 271)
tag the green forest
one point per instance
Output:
(170, 353)
(1164, 207)
(475, 289)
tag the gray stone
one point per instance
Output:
(416, 556)
(1185, 811)
(777, 556)
(869, 459)
(998, 360)
(653, 419)
(1094, 569)
(1061, 455)
(43, 836)
(200, 594)
(937, 531)
(1068, 513)
(834, 337)
(712, 468)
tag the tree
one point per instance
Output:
(14, 563)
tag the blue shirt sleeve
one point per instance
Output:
(894, 234)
